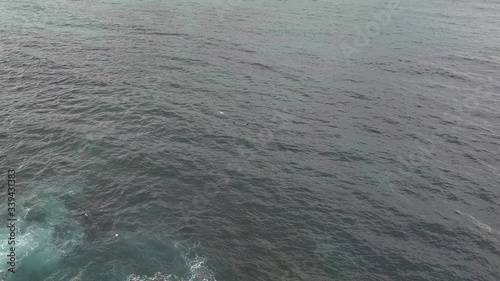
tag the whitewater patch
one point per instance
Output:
(198, 271)
(46, 232)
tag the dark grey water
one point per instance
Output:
(251, 140)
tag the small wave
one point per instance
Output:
(157, 277)
(198, 271)
(485, 230)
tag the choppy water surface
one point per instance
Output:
(252, 140)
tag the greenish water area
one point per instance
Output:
(241, 140)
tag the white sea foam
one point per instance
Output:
(157, 277)
(198, 271)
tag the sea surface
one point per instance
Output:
(251, 140)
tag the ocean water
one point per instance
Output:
(227, 140)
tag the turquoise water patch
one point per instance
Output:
(49, 16)
(46, 231)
